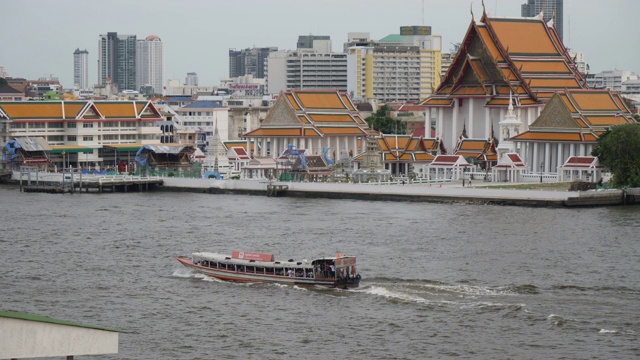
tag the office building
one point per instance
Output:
(191, 79)
(81, 69)
(552, 9)
(249, 61)
(150, 65)
(117, 60)
(399, 67)
(307, 69)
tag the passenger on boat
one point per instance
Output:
(290, 273)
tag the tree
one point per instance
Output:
(384, 123)
(619, 149)
(3, 82)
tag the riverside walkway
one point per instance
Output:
(452, 192)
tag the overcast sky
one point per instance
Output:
(38, 38)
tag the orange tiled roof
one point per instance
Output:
(547, 136)
(33, 110)
(329, 130)
(121, 109)
(331, 118)
(543, 66)
(594, 100)
(311, 132)
(293, 102)
(72, 109)
(347, 102)
(524, 36)
(320, 99)
(554, 83)
(275, 132)
(304, 119)
(139, 107)
(606, 120)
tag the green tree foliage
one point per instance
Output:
(3, 82)
(619, 150)
(383, 122)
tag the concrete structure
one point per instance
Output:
(611, 79)
(204, 116)
(150, 65)
(3, 74)
(312, 69)
(404, 67)
(83, 132)
(7, 93)
(552, 9)
(191, 79)
(117, 60)
(250, 61)
(29, 336)
(81, 69)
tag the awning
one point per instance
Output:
(69, 149)
(123, 147)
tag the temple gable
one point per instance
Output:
(281, 114)
(555, 115)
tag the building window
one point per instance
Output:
(87, 138)
(71, 138)
(55, 138)
(71, 125)
(87, 125)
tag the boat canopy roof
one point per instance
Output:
(228, 260)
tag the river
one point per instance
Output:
(438, 280)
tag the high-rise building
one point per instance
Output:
(552, 9)
(117, 60)
(192, 79)
(81, 69)
(2, 73)
(249, 61)
(316, 68)
(399, 67)
(150, 64)
(307, 41)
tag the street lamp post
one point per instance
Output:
(541, 167)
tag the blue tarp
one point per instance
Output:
(10, 150)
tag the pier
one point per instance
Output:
(69, 182)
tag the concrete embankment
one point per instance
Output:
(438, 193)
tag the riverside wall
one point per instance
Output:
(437, 193)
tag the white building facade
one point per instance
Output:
(395, 68)
(81, 69)
(150, 64)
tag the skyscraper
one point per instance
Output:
(81, 69)
(117, 60)
(191, 79)
(150, 64)
(549, 7)
(249, 61)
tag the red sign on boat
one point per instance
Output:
(251, 256)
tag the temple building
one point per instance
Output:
(502, 63)
(569, 126)
(321, 122)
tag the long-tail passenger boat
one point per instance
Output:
(338, 271)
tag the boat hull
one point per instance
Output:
(237, 276)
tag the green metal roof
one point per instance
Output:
(45, 319)
(69, 149)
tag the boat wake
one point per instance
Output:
(438, 294)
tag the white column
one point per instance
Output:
(487, 120)
(582, 150)
(536, 163)
(440, 128)
(547, 157)
(572, 150)
(454, 125)
(560, 156)
(470, 129)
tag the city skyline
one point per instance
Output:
(197, 35)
